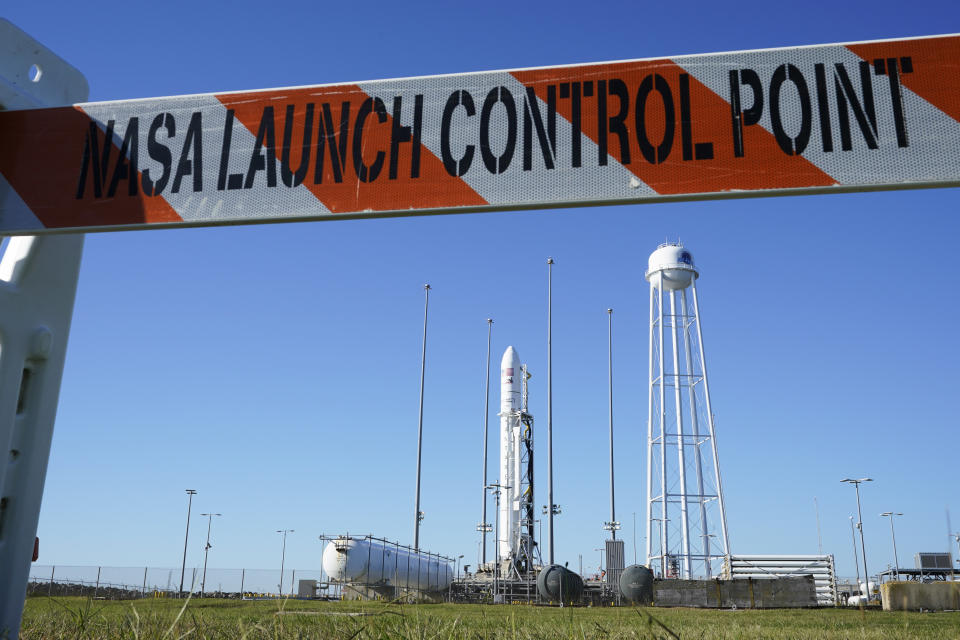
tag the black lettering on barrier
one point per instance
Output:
(160, 153)
(890, 69)
(847, 100)
(94, 160)
(410, 134)
(264, 154)
(744, 117)
(127, 169)
(417, 136)
(650, 83)
(455, 167)
(790, 146)
(192, 143)
(290, 178)
(367, 173)
(823, 107)
(532, 119)
(612, 124)
(498, 164)
(702, 150)
(235, 180)
(327, 137)
(398, 134)
(573, 91)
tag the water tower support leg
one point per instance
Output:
(38, 282)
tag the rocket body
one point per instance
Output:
(511, 382)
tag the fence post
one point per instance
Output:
(293, 575)
(50, 590)
(96, 589)
(193, 580)
(143, 592)
(243, 574)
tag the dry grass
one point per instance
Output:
(76, 618)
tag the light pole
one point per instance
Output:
(483, 526)
(459, 558)
(863, 549)
(550, 406)
(206, 552)
(283, 554)
(600, 570)
(612, 525)
(856, 562)
(183, 567)
(893, 536)
(634, 537)
(423, 369)
(495, 488)
(663, 550)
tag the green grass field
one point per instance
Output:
(50, 618)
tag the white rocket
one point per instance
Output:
(511, 381)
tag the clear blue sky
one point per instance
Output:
(275, 369)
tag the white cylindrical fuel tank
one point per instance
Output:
(378, 563)
(675, 263)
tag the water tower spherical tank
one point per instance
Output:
(556, 583)
(675, 262)
(636, 584)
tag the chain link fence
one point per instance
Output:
(117, 583)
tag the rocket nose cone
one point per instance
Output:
(510, 360)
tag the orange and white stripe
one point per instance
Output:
(42, 152)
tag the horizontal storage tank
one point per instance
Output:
(763, 566)
(376, 563)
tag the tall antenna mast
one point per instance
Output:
(483, 526)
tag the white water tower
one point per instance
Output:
(686, 521)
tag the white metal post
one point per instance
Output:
(649, 536)
(38, 284)
(38, 281)
(664, 542)
(684, 521)
(710, 424)
(695, 426)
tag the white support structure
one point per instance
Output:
(684, 501)
(38, 283)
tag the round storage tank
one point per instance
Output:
(675, 263)
(558, 584)
(636, 584)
